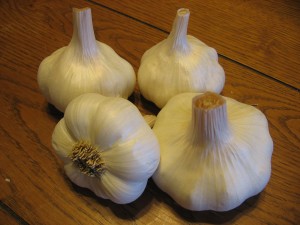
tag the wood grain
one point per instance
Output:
(263, 35)
(39, 192)
(6, 217)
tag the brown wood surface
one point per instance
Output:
(8, 216)
(33, 186)
(263, 35)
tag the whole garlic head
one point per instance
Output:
(106, 146)
(84, 66)
(215, 151)
(180, 63)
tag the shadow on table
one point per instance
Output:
(129, 211)
(55, 113)
(142, 205)
(208, 216)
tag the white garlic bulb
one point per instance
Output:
(84, 66)
(215, 151)
(181, 63)
(106, 146)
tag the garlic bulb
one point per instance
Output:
(84, 66)
(181, 63)
(215, 151)
(106, 146)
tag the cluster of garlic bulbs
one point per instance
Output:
(208, 152)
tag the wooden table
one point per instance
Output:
(259, 49)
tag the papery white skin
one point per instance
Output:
(217, 176)
(180, 63)
(84, 66)
(150, 120)
(128, 146)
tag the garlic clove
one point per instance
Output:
(77, 178)
(62, 141)
(109, 187)
(84, 66)
(226, 144)
(105, 135)
(128, 162)
(118, 190)
(79, 119)
(181, 63)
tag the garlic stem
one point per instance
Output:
(209, 119)
(83, 39)
(178, 34)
